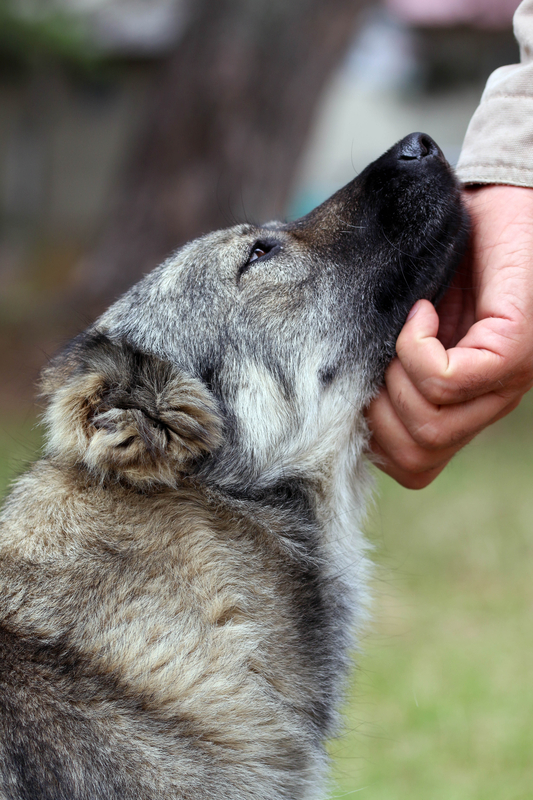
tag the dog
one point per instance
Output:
(183, 570)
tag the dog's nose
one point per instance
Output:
(417, 146)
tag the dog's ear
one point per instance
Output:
(123, 413)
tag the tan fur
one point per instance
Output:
(182, 572)
(133, 567)
(85, 429)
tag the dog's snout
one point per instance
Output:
(417, 146)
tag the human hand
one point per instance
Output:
(462, 368)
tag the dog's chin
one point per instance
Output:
(458, 236)
(429, 280)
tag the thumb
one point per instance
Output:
(443, 376)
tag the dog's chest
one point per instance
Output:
(208, 617)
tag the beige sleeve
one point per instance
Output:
(498, 146)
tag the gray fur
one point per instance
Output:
(182, 571)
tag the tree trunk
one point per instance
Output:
(225, 125)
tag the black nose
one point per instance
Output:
(417, 146)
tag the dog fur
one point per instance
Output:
(182, 571)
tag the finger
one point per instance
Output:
(399, 455)
(409, 480)
(440, 426)
(411, 465)
(397, 444)
(481, 363)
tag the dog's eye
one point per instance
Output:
(258, 251)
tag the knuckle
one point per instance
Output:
(436, 390)
(431, 436)
(412, 460)
(400, 402)
(416, 469)
(436, 436)
(522, 381)
(453, 388)
(470, 386)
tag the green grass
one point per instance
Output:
(442, 701)
(441, 706)
(20, 440)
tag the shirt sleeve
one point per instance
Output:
(498, 146)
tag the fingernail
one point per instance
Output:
(413, 311)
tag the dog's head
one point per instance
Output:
(252, 351)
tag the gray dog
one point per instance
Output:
(182, 572)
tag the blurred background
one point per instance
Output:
(130, 126)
